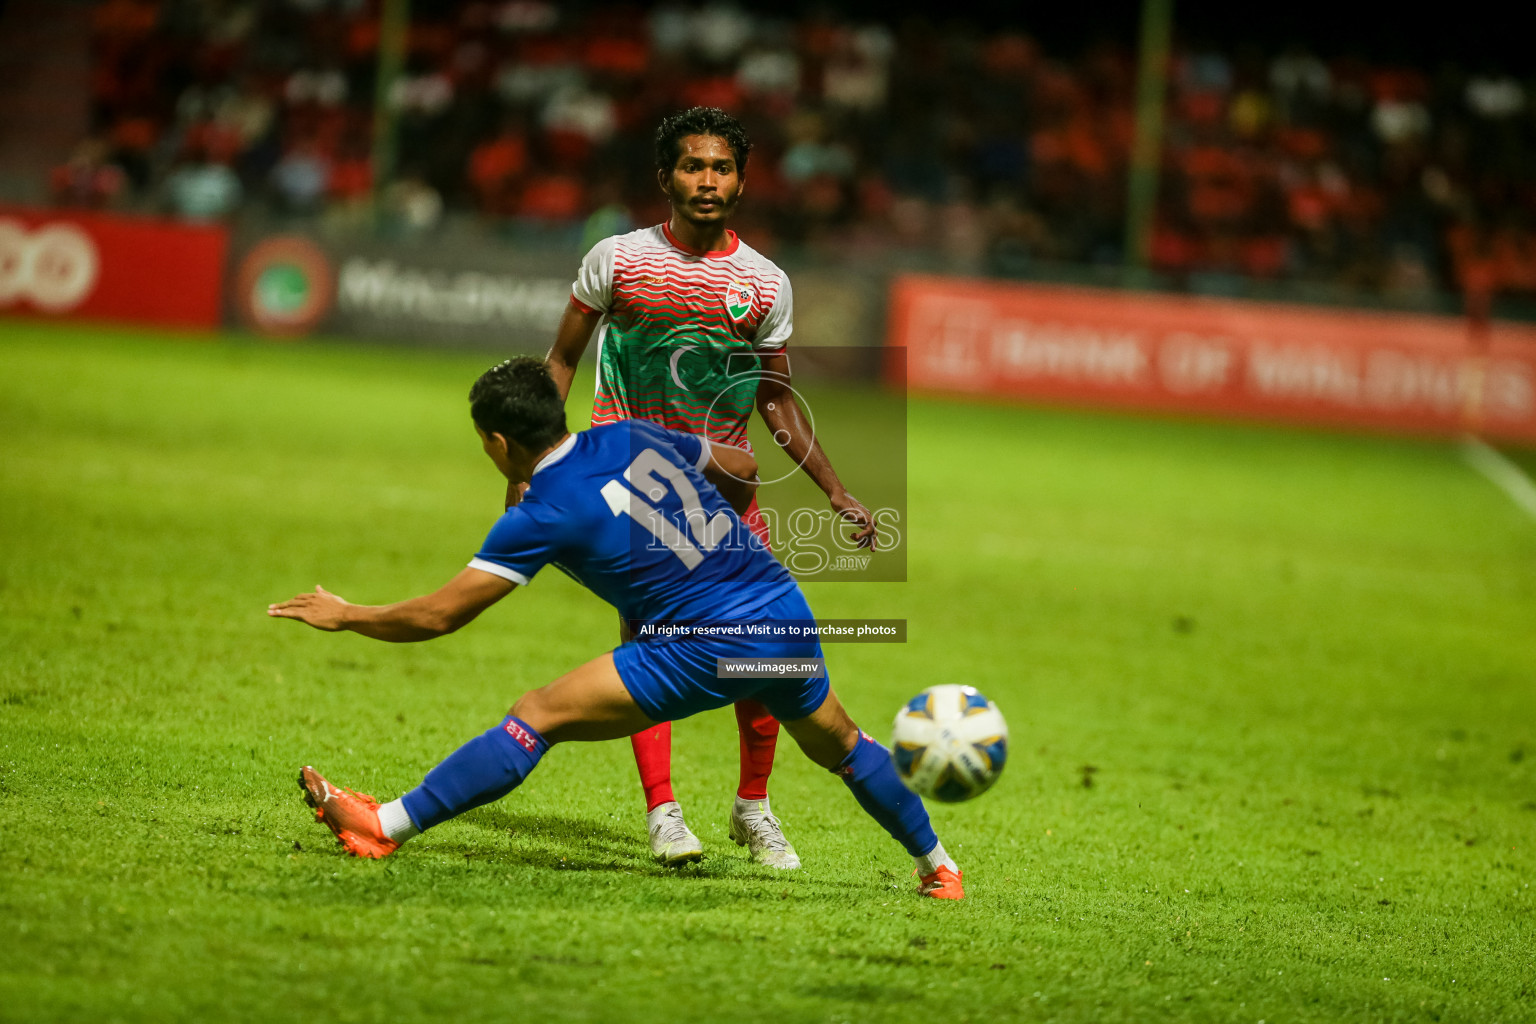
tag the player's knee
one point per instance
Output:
(826, 739)
(836, 722)
(544, 713)
(846, 735)
(527, 707)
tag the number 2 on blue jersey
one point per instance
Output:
(653, 476)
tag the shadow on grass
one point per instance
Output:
(511, 841)
(557, 828)
(561, 843)
(862, 993)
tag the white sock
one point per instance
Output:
(935, 858)
(395, 822)
(744, 807)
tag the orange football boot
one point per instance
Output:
(943, 884)
(353, 817)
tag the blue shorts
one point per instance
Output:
(674, 678)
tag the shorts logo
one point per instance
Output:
(525, 738)
(738, 299)
(54, 267)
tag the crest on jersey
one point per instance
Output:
(738, 299)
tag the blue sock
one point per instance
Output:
(868, 771)
(486, 768)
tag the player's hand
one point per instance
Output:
(322, 609)
(852, 510)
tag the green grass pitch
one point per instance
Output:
(1272, 694)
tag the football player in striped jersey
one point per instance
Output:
(691, 326)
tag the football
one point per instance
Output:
(950, 743)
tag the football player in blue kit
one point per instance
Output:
(648, 519)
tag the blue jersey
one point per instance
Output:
(624, 510)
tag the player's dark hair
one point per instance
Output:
(700, 121)
(518, 400)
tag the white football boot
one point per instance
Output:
(754, 826)
(672, 843)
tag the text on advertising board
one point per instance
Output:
(1390, 371)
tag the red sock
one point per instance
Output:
(759, 734)
(757, 524)
(653, 756)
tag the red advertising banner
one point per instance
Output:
(1163, 352)
(104, 267)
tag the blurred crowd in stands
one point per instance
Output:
(915, 137)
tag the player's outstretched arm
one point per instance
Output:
(792, 431)
(421, 618)
(733, 471)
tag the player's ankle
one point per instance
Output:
(934, 859)
(395, 822)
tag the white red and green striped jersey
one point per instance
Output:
(681, 330)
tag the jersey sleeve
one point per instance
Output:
(593, 287)
(779, 322)
(523, 541)
(694, 448)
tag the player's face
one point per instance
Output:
(705, 182)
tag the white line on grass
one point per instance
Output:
(1504, 474)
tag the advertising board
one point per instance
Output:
(107, 267)
(431, 291)
(1388, 371)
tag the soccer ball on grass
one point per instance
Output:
(950, 743)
